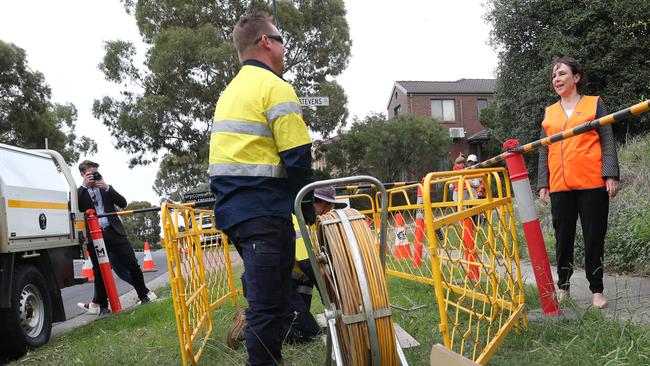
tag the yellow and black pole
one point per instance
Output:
(155, 209)
(585, 127)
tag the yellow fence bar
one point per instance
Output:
(200, 272)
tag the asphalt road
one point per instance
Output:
(84, 293)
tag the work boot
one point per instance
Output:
(236, 332)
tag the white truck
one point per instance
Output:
(41, 233)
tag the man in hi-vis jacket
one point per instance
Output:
(260, 157)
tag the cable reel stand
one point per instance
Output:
(352, 282)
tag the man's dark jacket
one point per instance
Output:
(110, 200)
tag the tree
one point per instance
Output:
(28, 117)
(141, 227)
(488, 118)
(402, 148)
(610, 38)
(168, 108)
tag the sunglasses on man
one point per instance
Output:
(275, 37)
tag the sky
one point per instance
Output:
(405, 40)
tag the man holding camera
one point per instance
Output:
(95, 193)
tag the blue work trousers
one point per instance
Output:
(267, 247)
(300, 325)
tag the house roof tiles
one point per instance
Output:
(462, 86)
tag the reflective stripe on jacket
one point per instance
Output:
(257, 116)
(574, 163)
(301, 249)
(301, 253)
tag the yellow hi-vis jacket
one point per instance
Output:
(260, 150)
(301, 249)
(301, 255)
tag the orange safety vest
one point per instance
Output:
(574, 163)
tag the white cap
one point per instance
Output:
(472, 157)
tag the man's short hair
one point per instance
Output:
(249, 27)
(84, 165)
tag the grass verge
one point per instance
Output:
(147, 335)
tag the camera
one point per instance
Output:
(97, 176)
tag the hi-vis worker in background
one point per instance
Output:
(260, 157)
(299, 325)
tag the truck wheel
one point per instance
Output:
(28, 322)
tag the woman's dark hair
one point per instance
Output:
(575, 67)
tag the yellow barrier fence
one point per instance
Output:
(200, 272)
(466, 249)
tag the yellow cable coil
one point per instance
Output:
(345, 290)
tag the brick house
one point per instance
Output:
(456, 104)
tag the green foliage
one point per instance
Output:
(27, 116)
(141, 227)
(168, 107)
(402, 148)
(321, 174)
(610, 38)
(488, 118)
(180, 174)
(627, 245)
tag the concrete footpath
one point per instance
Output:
(127, 300)
(628, 297)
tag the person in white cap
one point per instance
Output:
(471, 160)
(475, 183)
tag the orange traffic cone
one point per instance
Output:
(402, 246)
(87, 269)
(419, 232)
(148, 265)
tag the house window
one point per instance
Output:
(443, 109)
(397, 110)
(480, 105)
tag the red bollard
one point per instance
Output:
(470, 247)
(532, 229)
(420, 227)
(104, 264)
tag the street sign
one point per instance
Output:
(197, 197)
(314, 101)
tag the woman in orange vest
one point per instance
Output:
(578, 174)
